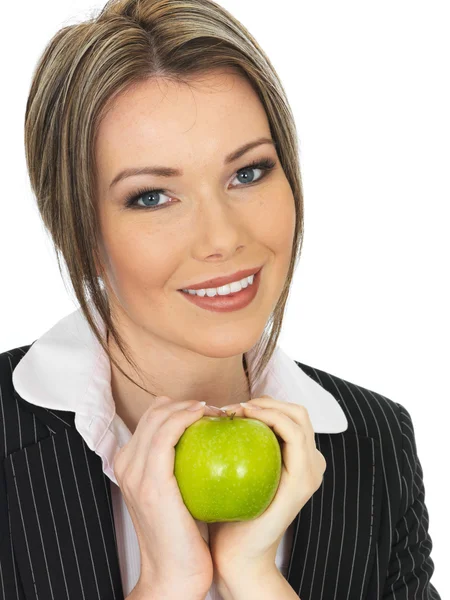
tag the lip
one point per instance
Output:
(219, 281)
(226, 303)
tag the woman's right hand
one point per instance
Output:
(175, 559)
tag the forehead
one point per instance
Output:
(158, 120)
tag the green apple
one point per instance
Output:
(227, 468)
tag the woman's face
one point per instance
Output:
(208, 222)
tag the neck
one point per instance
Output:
(220, 389)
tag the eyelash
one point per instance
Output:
(265, 164)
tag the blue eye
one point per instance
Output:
(152, 195)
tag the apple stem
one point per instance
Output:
(232, 415)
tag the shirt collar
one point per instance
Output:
(67, 369)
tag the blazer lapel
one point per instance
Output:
(62, 522)
(336, 532)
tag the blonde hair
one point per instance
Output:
(82, 69)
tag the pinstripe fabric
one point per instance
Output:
(390, 544)
(362, 535)
(57, 531)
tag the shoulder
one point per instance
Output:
(9, 360)
(368, 412)
(20, 426)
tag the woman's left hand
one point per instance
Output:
(244, 545)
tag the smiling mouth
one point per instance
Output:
(222, 281)
(226, 302)
(187, 291)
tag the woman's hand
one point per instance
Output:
(239, 546)
(175, 559)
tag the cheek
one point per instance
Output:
(140, 262)
(275, 225)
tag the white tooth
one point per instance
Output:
(235, 286)
(223, 290)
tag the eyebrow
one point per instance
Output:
(170, 172)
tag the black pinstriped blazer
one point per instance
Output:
(362, 536)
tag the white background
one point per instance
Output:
(369, 86)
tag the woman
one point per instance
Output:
(163, 155)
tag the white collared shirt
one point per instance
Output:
(67, 369)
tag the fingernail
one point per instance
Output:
(197, 406)
(214, 408)
(250, 406)
(229, 407)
